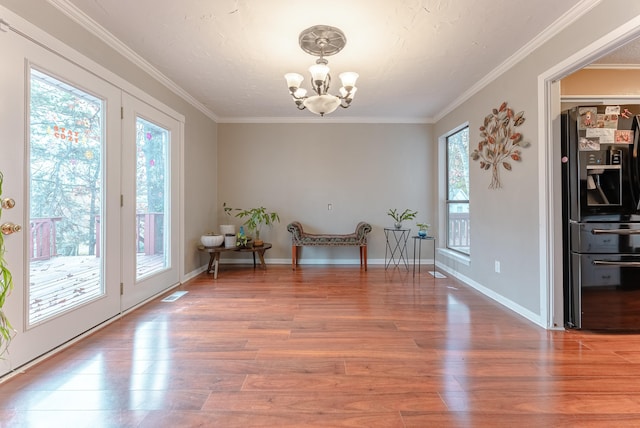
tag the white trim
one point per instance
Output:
(306, 117)
(182, 246)
(613, 66)
(545, 216)
(310, 262)
(455, 256)
(510, 304)
(547, 182)
(100, 32)
(600, 99)
(56, 46)
(560, 24)
(69, 9)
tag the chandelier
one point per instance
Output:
(322, 41)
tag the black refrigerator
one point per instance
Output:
(601, 217)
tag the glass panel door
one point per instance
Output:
(62, 167)
(66, 197)
(150, 214)
(152, 144)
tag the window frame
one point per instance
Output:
(449, 202)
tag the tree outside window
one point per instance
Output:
(458, 226)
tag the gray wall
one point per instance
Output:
(505, 222)
(298, 169)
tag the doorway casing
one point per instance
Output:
(549, 177)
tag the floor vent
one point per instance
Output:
(174, 296)
(436, 274)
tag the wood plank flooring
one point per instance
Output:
(330, 347)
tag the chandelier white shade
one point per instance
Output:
(321, 41)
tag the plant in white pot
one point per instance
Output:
(255, 219)
(227, 229)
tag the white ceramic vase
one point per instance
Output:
(212, 240)
(226, 229)
(230, 240)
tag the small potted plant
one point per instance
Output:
(255, 219)
(398, 217)
(227, 229)
(242, 240)
(423, 229)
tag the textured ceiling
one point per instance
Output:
(415, 57)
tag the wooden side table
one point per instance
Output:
(214, 255)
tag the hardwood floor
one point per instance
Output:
(330, 347)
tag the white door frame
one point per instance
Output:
(550, 180)
(10, 21)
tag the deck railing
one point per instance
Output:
(458, 232)
(43, 243)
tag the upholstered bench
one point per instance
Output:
(300, 238)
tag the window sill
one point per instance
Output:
(454, 255)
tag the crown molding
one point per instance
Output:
(96, 29)
(326, 119)
(556, 27)
(613, 66)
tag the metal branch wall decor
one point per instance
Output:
(501, 143)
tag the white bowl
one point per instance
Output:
(212, 240)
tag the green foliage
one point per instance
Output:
(6, 285)
(407, 214)
(423, 226)
(241, 240)
(257, 217)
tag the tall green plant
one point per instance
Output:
(256, 217)
(6, 285)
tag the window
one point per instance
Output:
(457, 191)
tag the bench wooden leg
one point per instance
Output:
(363, 257)
(294, 257)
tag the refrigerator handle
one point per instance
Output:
(615, 231)
(609, 263)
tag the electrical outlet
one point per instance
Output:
(497, 266)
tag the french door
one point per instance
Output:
(150, 215)
(94, 173)
(60, 161)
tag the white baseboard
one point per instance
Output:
(518, 309)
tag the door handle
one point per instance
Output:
(8, 203)
(9, 228)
